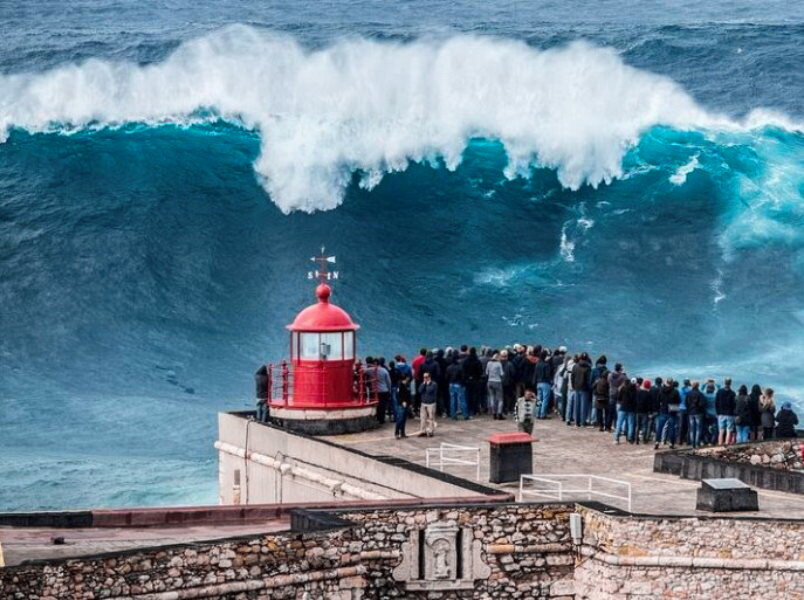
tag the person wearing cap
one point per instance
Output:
(786, 421)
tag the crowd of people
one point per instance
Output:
(527, 383)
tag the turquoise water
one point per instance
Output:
(616, 177)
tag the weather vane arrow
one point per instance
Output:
(322, 272)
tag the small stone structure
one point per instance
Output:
(726, 495)
(517, 551)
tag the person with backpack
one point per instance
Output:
(599, 370)
(696, 406)
(669, 404)
(601, 393)
(616, 380)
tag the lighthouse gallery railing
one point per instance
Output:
(281, 389)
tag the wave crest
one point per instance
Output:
(371, 107)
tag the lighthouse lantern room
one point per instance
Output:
(322, 390)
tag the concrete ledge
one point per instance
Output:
(689, 465)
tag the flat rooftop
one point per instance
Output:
(561, 449)
(35, 543)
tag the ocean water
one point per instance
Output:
(620, 177)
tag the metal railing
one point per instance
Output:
(281, 389)
(453, 455)
(559, 489)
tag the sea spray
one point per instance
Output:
(371, 107)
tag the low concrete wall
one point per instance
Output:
(711, 463)
(260, 463)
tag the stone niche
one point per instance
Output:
(441, 557)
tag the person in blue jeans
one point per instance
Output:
(403, 399)
(543, 380)
(457, 389)
(742, 415)
(696, 405)
(626, 415)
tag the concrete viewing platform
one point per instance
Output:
(561, 449)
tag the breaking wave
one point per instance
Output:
(369, 107)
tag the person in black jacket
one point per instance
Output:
(753, 407)
(696, 406)
(742, 415)
(403, 406)
(457, 390)
(582, 386)
(473, 379)
(261, 382)
(669, 406)
(643, 408)
(626, 407)
(725, 405)
(786, 421)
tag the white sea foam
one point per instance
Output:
(368, 106)
(680, 176)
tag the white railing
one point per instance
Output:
(453, 455)
(557, 489)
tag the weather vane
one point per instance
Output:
(322, 272)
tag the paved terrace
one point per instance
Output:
(568, 450)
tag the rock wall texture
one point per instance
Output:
(776, 454)
(518, 551)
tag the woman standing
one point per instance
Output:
(494, 374)
(753, 407)
(767, 408)
(743, 415)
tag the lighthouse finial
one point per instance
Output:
(322, 272)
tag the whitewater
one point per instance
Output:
(369, 107)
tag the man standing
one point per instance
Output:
(261, 381)
(457, 390)
(381, 382)
(581, 385)
(543, 381)
(428, 392)
(616, 379)
(725, 406)
(472, 380)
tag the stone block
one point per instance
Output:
(726, 495)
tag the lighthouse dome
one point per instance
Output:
(323, 316)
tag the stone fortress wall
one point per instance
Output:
(520, 551)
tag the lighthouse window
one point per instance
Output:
(348, 345)
(310, 346)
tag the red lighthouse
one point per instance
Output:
(322, 390)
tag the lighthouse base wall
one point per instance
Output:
(262, 463)
(326, 422)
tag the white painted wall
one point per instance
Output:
(286, 468)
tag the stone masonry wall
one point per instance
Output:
(526, 551)
(776, 454)
(526, 546)
(626, 558)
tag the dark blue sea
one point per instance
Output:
(621, 177)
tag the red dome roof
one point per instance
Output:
(323, 316)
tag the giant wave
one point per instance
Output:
(371, 107)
